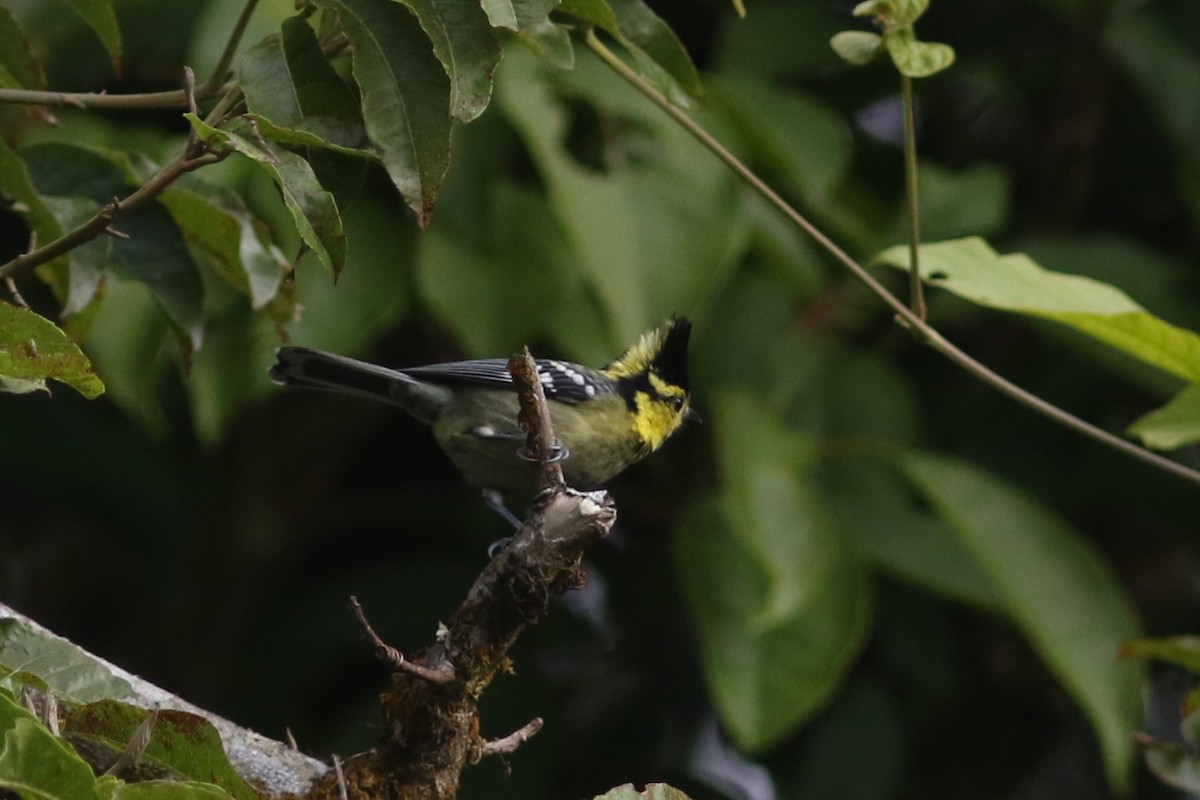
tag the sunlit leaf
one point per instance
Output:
(1176, 424)
(68, 670)
(36, 764)
(33, 349)
(1058, 590)
(857, 47)
(972, 269)
(915, 58)
(185, 743)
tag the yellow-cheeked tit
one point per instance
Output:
(605, 419)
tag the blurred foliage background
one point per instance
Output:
(203, 529)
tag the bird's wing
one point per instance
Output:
(564, 382)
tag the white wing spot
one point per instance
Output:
(590, 390)
(579, 379)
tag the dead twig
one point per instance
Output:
(507, 744)
(393, 658)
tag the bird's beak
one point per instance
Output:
(691, 415)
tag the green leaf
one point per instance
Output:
(37, 765)
(893, 13)
(551, 43)
(295, 94)
(220, 234)
(405, 96)
(656, 43)
(32, 349)
(464, 42)
(915, 58)
(15, 182)
(166, 790)
(495, 293)
(69, 671)
(1058, 590)
(875, 507)
(857, 47)
(1176, 424)
(313, 210)
(656, 224)
(99, 16)
(184, 743)
(657, 51)
(16, 58)
(1148, 51)
(518, 15)
(971, 269)
(154, 253)
(1182, 651)
(780, 604)
(789, 132)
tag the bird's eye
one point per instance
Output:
(676, 403)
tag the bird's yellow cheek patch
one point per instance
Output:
(654, 420)
(663, 388)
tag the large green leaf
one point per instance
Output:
(75, 182)
(37, 765)
(220, 233)
(792, 133)
(1165, 69)
(100, 17)
(780, 604)
(517, 15)
(184, 743)
(17, 62)
(68, 670)
(405, 96)
(660, 56)
(496, 292)
(291, 85)
(1058, 590)
(32, 349)
(972, 269)
(313, 210)
(465, 44)
(656, 225)
(1176, 424)
(16, 183)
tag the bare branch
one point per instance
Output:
(508, 744)
(176, 98)
(393, 658)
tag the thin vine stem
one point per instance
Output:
(916, 290)
(905, 316)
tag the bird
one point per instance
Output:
(604, 419)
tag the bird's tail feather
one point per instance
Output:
(316, 369)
